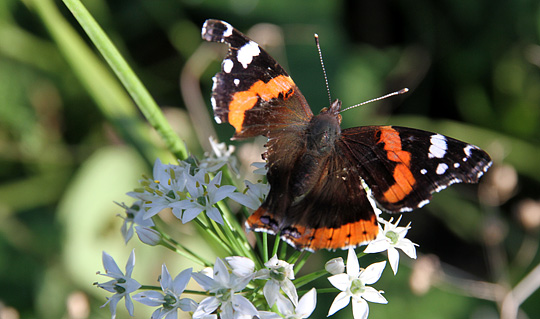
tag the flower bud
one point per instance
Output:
(335, 266)
(148, 236)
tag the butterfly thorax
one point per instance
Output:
(321, 135)
(323, 130)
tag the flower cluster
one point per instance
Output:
(249, 283)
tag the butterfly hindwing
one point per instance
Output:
(334, 212)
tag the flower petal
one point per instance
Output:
(271, 292)
(203, 280)
(215, 215)
(341, 301)
(206, 307)
(353, 267)
(129, 305)
(360, 309)
(372, 273)
(221, 273)
(290, 290)
(187, 304)
(110, 265)
(307, 304)
(340, 281)
(241, 266)
(407, 247)
(181, 280)
(242, 305)
(285, 306)
(377, 246)
(166, 279)
(372, 295)
(150, 298)
(268, 315)
(190, 214)
(393, 258)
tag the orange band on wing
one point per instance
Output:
(351, 234)
(404, 179)
(301, 237)
(246, 100)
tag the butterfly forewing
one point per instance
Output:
(253, 92)
(404, 166)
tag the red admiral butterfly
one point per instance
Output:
(316, 170)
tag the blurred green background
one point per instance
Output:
(472, 68)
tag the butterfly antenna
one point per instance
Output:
(404, 90)
(322, 65)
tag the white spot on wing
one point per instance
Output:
(423, 203)
(456, 165)
(405, 210)
(236, 82)
(247, 53)
(438, 146)
(468, 149)
(227, 65)
(213, 101)
(423, 171)
(228, 31)
(441, 168)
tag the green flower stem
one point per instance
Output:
(294, 257)
(238, 236)
(201, 259)
(276, 244)
(206, 229)
(183, 253)
(299, 282)
(301, 261)
(283, 251)
(265, 246)
(327, 290)
(241, 246)
(191, 292)
(146, 287)
(131, 82)
(196, 292)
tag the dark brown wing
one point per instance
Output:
(333, 213)
(253, 92)
(404, 166)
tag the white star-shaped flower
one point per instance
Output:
(203, 197)
(253, 195)
(279, 274)
(305, 307)
(221, 154)
(134, 216)
(224, 287)
(169, 300)
(121, 285)
(353, 284)
(166, 186)
(391, 238)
